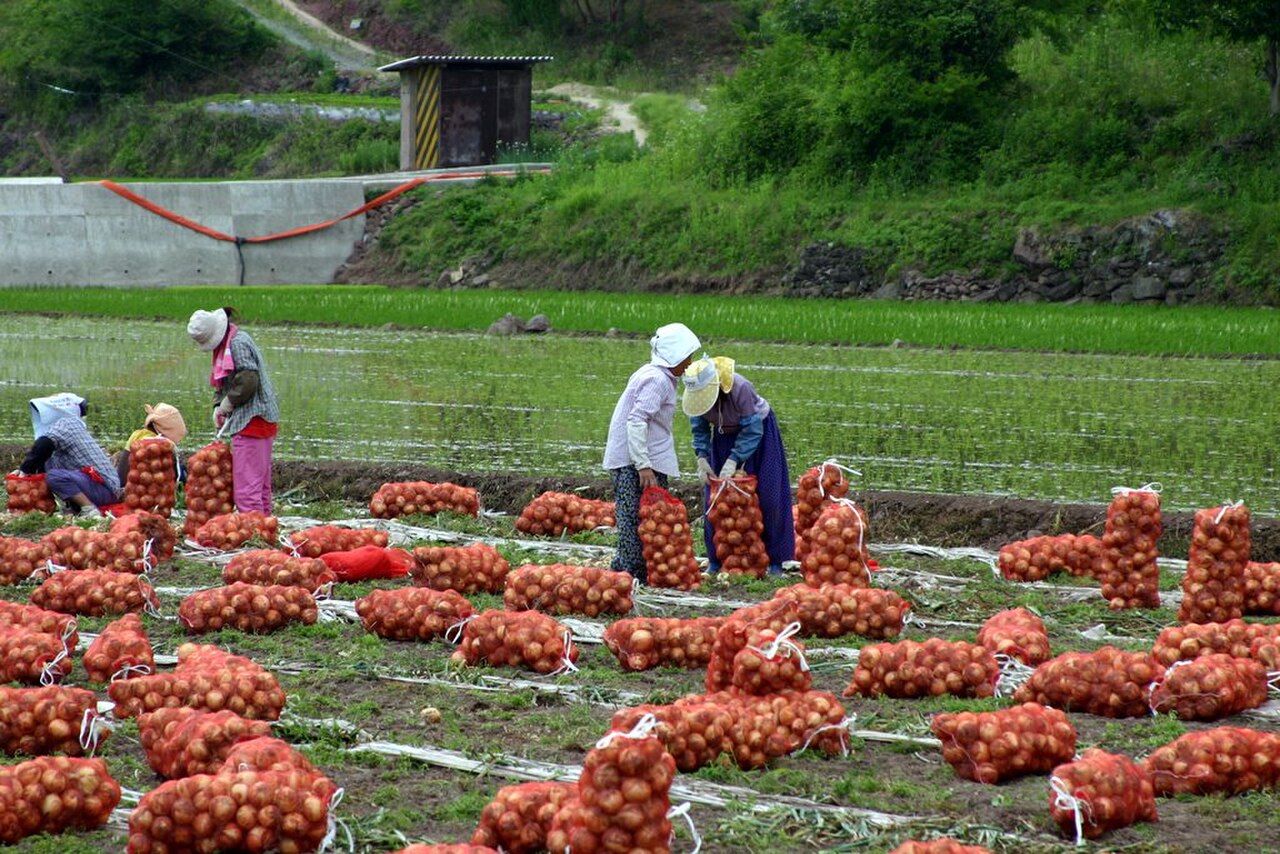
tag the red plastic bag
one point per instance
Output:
(368, 562)
(666, 540)
(1099, 792)
(988, 747)
(315, 541)
(734, 513)
(28, 493)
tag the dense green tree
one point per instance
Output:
(1247, 21)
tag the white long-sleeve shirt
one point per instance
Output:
(648, 404)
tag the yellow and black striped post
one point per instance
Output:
(426, 118)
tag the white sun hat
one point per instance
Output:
(703, 382)
(672, 344)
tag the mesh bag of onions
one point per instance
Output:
(150, 528)
(478, 568)
(449, 848)
(622, 800)
(1127, 568)
(265, 754)
(121, 646)
(908, 669)
(321, 539)
(1017, 633)
(770, 663)
(50, 794)
(643, 643)
(1261, 588)
(206, 678)
(232, 530)
(694, 733)
(38, 721)
(553, 513)
(1267, 651)
(1229, 760)
(180, 742)
(208, 487)
(268, 566)
(667, 541)
(558, 588)
(94, 593)
(765, 728)
(412, 613)
(518, 817)
(405, 499)
(1039, 557)
(517, 639)
(1099, 792)
(942, 845)
(987, 747)
(254, 608)
(19, 558)
(836, 610)
(74, 547)
(815, 491)
(837, 551)
(734, 514)
(1107, 682)
(1213, 588)
(31, 618)
(152, 482)
(733, 635)
(32, 657)
(285, 811)
(1234, 638)
(1210, 687)
(28, 493)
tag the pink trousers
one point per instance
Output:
(251, 473)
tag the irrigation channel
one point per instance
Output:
(1063, 427)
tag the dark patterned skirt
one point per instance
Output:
(773, 485)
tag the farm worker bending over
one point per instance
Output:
(75, 467)
(641, 452)
(245, 404)
(162, 420)
(735, 430)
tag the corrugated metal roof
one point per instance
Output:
(402, 64)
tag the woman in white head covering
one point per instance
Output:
(641, 451)
(735, 431)
(75, 467)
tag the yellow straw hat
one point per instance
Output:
(703, 382)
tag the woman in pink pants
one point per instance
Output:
(245, 404)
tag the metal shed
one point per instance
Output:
(457, 110)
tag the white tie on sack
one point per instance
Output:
(682, 811)
(844, 727)
(1222, 511)
(1158, 681)
(1013, 673)
(857, 514)
(92, 725)
(1154, 486)
(331, 833)
(822, 473)
(566, 664)
(129, 671)
(48, 675)
(453, 634)
(783, 643)
(643, 728)
(724, 482)
(1064, 800)
(147, 564)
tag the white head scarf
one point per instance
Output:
(207, 328)
(46, 411)
(672, 344)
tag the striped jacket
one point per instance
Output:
(75, 449)
(264, 402)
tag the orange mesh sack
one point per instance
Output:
(206, 678)
(694, 733)
(557, 588)
(405, 499)
(181, 742)
(517, 639)
(152, 482)
(666, 539)
(907, 669)
(1229, 760)
(320, 539)
(31, 618)
(1261, 589)
(265, 753)
(771, 662)
(412, 613)
(1107, 682)
(121, 648)
(38, 721)
(19, 558)
(478, 568)
(1266, 650)
(1210, 687)
(1127, 568)
(158, 537)
(232, 530)
(518, 817)
(815, 491)
(268, 566)
(836, 610)
(942, 845)
(623, 797)
(1039, 557)
(50, 794)
(734, 634)
(208, 487)
(554, 513)
(738, 535)
(74, 547)
(987, 747)
(1213, 588)
(643, 643)
(837, 552)
(94, 593)
(33, 658)
(254, 608)
(768, 727)
(1234, 637)
(28, 493)
(448, 848)
(1017, 633)
(1100, 792)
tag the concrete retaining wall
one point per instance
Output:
(83, 234)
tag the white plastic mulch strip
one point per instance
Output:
(1268, 711)
(502, 685)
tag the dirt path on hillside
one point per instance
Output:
(310, 33)
(609, 100)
